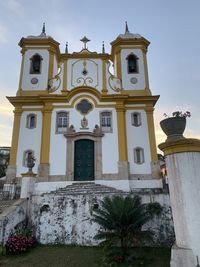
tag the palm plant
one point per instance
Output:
(121, 220)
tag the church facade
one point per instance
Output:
(85, 116)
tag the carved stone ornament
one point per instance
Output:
(84, 123)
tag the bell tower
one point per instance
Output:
(130, 64)
(39, 63)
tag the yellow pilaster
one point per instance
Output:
(104, 90)
(46, 132)
(152, 139)
(64, 89)
(21, 76)
(51, 59)
(122, 137)
(119, 65)
(144, 51)
(15, 135)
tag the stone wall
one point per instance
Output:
(11, 218)
(66, 217)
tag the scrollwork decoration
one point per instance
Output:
(114, 82)
(54, 83)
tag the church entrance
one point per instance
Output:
(84, 160)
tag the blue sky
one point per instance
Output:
(172, 27)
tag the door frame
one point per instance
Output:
(73, 136)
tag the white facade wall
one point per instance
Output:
(76, 78)
(29, 139)
(58, 144)
(138, 137)
(42, 78)
(126, 83)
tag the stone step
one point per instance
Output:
(86, 188)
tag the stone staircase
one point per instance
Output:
(86, 188)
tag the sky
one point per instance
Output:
(172, 27)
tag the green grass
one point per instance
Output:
(67, 256)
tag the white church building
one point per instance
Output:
(85, 116)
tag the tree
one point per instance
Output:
(121, 220)
(4, 160)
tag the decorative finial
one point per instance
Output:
(43, 33)
(66, 48)
(126, 28)
(103, 48)
(85, 40)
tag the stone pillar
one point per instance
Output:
(28, 184)
(123, 164)
(183, 170)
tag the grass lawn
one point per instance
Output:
(66, 256)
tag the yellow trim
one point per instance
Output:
(122, 137)
(46, 134)
(64, 90)
(15, 136)
(33, 92)
(140, 92)
(40, 99)
(146, 76)
(32, 109)
(119, 65)
(34, 43)
(151, 131)
(135, 108)
(180, 146)
(51, 61)
(104, 85)
(85, 55)
(21, 75)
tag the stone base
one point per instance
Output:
(27, 186)
(181, 257)
(11, 173)
(43, 171)
(123, 170)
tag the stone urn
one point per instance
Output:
(173, 127)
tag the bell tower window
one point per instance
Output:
(36, 63)
(132, 63)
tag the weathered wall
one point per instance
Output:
(67, 218)
(11, 218)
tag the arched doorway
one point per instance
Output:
(84, 160)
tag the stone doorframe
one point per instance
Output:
(73, 136)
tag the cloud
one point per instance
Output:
(3, 34)
(4, 110)
(13, 5)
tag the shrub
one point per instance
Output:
(20, 242)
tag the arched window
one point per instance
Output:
(136, 119)
(27, 154)
(62, 121)
(138, 155)
(31, 121)
(36, 62)
(106, 121)
(132, 63)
